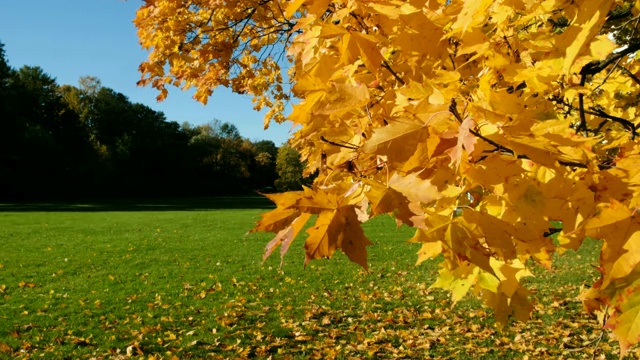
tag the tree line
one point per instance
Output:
(89, 141)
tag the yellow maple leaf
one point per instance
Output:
(285, 237)
(386, 200)
(369, 52)
(625, 319)
(337, 229)
(619, 228)
(391, 140)
(282, 216)
(292, 7)
(583, 29)
(466, 140)
(459, 281)
(471, 14)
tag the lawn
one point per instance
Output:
(182, 279)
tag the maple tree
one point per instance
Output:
(502, 131)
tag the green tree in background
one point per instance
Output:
(44, 144)
(289, 169)
(87, 140)
(264, 172)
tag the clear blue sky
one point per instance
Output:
(72, 38)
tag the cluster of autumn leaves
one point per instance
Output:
(502, 131)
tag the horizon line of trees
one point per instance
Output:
(89, 141)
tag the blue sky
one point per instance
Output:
(72, 38)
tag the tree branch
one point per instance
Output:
(624, 122)
(629, 73)
(342, 144)
(386, 65)
(453, 109)
(597, 66)
(583, 119)
(594, 67)
(582, 126)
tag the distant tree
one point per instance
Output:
(90, 85)
(203, 144)
(144, 154)
(223, 162)
(264, 172)
(44, 146)
(9, 126)
(82, 98)
(89, 140)
(110, 118)
(5, 69)
(232, 161)
(228, 131)
(289, 168)
(266, 146)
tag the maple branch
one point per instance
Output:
(452, 56)
(629, 125)
(246, 21)
(386, 65)
(605, 318)
(453, 109)
(594, 67)
(624, 122)
(583, 119)
(551, 231)
(608, 74)
(574, 164)
(343, 144)
(629, 73)
(363, 26)
(597, 66)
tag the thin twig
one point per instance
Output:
(583, 119)
(629, 73)
(453, 109)
(604, 322)
(624, 122)
(597, 344)
(503, 149)
(608, 74)
(342, 144)
(386, 65)
(597, 66)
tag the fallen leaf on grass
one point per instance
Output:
(79, 341)
(24, 284)
(6, 349)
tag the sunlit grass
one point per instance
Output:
(192, 284)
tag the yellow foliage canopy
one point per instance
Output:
(486, 125)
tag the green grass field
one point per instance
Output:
(181, 279)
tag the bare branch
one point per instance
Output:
(629, 73)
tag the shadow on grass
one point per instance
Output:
(186, 204)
